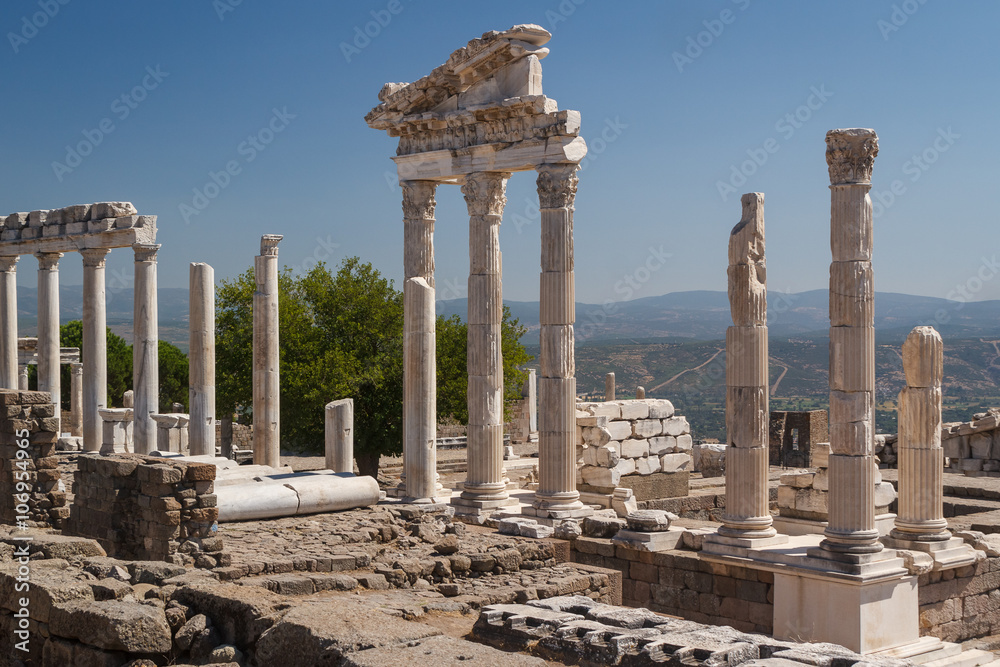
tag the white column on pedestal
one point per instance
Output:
(76, 400)
(49, 361)
(145, 348)
(339, 435)
(9, 371)
(921, 457)
(557, 385)
(95, 347)
(201, 394)
(266, 356)
(419, 346)
(485, 200)
(747, 514)
(851, 529)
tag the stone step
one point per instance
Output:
(972, 658)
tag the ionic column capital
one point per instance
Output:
(486, 192)
(418, 200)
(850, 156)
(145, 252)
(269, 245)
(48, 261)
(8, 263)
(94, 258)
(557, 185)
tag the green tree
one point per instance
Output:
(119, 361)
(173, 376)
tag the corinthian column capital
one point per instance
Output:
(94, 258)
(418, 200)
(850, 155)
(485, 192)
(8, 263)
(557, 185)
(48, 261)
(145, 252)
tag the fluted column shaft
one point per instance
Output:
(95, 347)
(419, 345)
(76, 400)
(921, 457)
(49, 376)
(485, 199)
(557, 312)
(747, 514)
(9, 371)
(201, 386)
(266, 356)
(851, 528)
(145, 348)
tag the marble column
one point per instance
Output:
(145, 348)
(339, 435)
(49, 361)
(9, 371)
(201, 394)
(95, 347)
(921, 458)
(22, 379)
(556, 495)
(266, 356)
(485, 483)
(609, 387)
(419, 346)
(76, 400)
(747, 515)
(851, 530)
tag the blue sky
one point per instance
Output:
(685, 105)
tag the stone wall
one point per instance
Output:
(29, 473)
(679, 583)
(242, 435)
(963, 603)
(973, 447)
(636, 444)
(148, 508)
(792, 435)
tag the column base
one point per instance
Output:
(728, 545)
(947, 554)
(659, 541)
(545, 510)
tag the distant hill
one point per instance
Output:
(172, 303)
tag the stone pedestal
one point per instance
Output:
(49, 367)
(202, 360)
(9, 372)
(340, 436)
(556, 496)
(171, 432)
(145, 348)
(95, 347)
(266, 356)
(76, 399)
(116, 431)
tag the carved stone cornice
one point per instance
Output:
(8, 263)
(269, 244)
(850, 155)
(146, 252)
(418, 200)
(94, 258)
(557, 185)
(48, 261)
(485, 192)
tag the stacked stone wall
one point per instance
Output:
(973, 447)
(31, 492)
(962, 603)
(148, 508)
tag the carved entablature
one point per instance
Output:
(850, 155)
(488, 94)
(74, 228)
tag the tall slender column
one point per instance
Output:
(266, 356)
(557, 494)
(485, 483)
(419, 346)
(921, 457)
(747, 515)
(76, 400)
(49, 364)
(95, 347)
(609, 387)
(201, 431)
(9, 371)
(851, 529)
(145, 349)
(339, 435)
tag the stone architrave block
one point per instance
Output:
(675, 462)
(676, 426)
